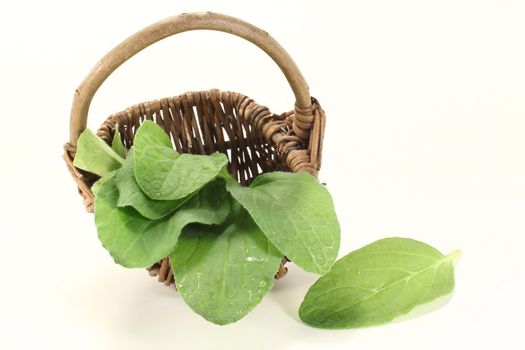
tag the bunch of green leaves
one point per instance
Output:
(225, 241)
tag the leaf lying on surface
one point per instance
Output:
(131, 195)
(297, 214)
(95, 156)
(135, 241)
(222, 272)
(377, 283)
(117, 144)
(164, 174)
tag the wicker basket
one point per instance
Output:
(254, 139)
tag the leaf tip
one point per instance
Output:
(455, 256)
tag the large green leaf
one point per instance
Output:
(117, 145)
(95, 156)
(297, 214)
(222, 272)
(164, 174)
(130, 194)
(377, 283)
(135, 241)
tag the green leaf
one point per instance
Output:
(164, 174)
(95, 156)
(131, 195)
(117, 145)
(135, 241)
(377, 283)
(297, 214)
(222, 272)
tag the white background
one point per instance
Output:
(425, 104)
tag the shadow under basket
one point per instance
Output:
(254, 139)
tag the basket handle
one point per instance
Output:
(303, 114)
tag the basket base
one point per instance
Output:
(162, 270)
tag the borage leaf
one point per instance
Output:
(377, 283)
(222, 272)
(94, 155)
(135, 241)
(164, 174)
(130, 194)
(297, 214)
(117, 145)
